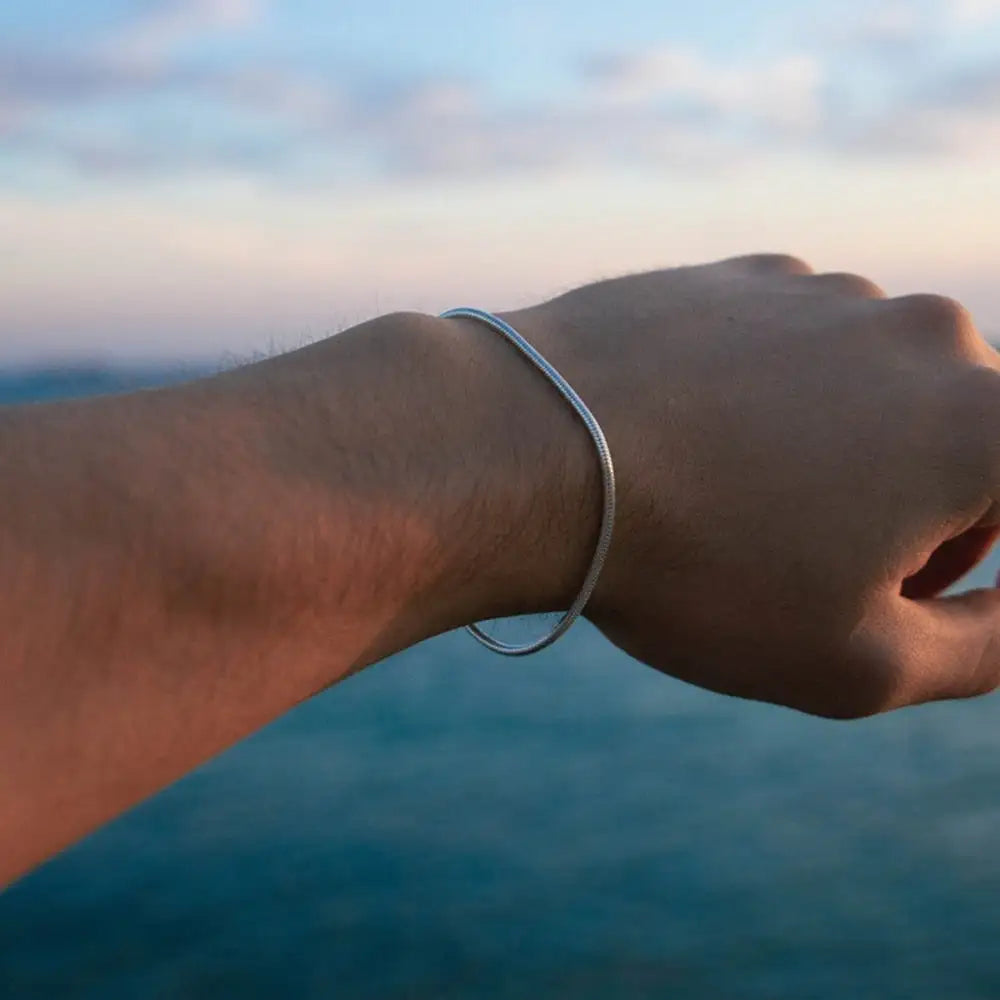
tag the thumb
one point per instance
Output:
(940, 648)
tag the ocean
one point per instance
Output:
(449, 824)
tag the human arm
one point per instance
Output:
(180, 566)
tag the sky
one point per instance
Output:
(186, 179)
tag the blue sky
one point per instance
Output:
(182, 177)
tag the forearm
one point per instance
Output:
(180, 566)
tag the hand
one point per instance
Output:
(803, 466)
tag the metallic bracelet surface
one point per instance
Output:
(607, 473)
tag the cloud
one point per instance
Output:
(133, 61)
(276, 92)
(664, 108)
(297, 126)
(916, 133)
(784, 92)
(49, 78)
(37, 86)
(976, 88)
(666, 111)
(906, 30)
(887, 29)
(130, 60)
(952, 113)
(140, 156)
(973, 12)
(165, 25)
(442, 126)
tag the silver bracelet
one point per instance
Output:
(607, 472)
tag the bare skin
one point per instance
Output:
(804, 466)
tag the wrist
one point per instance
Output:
(459, 485)
(538, 497)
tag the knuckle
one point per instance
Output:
(845, 711)
(870, 681)
(940, 310)
(774, 263)
(984, 683)
(844, 706)
(858, 703)
(845, 283)
(946, 319)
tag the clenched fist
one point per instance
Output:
(803, 466)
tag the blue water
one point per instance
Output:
(451, 825)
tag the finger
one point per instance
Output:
(958, 413)
(933, 650)
(972, 445)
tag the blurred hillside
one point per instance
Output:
(45, 382)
